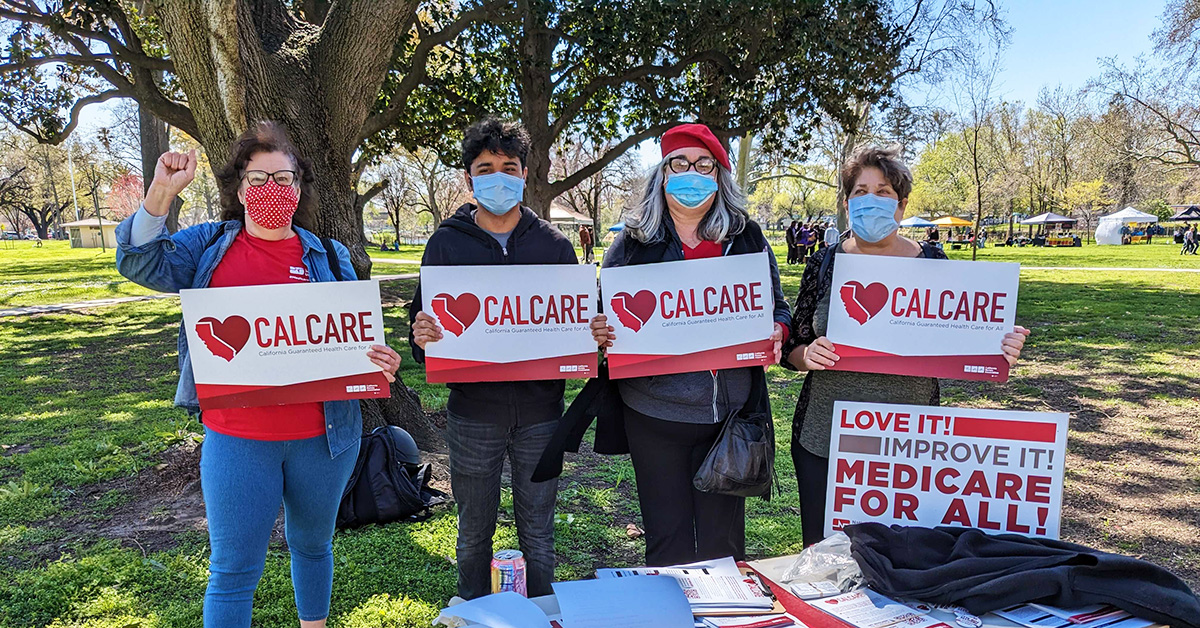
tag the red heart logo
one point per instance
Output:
(831, 601)
(456, 313)
(223, 338)
(863, 303)
(634, 311)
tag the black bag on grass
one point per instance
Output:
(383, 488)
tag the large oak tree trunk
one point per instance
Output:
(242, 62)
(403, 409)
(536, 90)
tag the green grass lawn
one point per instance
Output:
(1161, 254)
(57, 273)
(407, 251)
(85, 408)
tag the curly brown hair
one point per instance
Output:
(885, 159)
(265, 137)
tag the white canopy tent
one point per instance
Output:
(1048, 218)
(1130, 214)
(560, 215)
(916, 221)
(1108, 230)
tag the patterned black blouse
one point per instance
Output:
(822, 388)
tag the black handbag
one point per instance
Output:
(742, 461)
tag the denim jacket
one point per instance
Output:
(170, 263)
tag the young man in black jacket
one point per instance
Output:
(487, 420)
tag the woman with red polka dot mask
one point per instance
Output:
(270, 193)
(300, 454)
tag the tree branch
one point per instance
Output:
(562, 185)
(576, 105)
(73, 121)
(372, 192)
(115, 46)
(419, 69)
(791, 175)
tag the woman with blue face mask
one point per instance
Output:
(691, 209)
(877, 185)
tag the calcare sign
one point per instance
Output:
(916, 316)
(284, 343)
(510, 322)
(693, 315)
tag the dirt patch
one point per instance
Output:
(158, 504)
(14, 450)
(1131, 480)
(153, 506)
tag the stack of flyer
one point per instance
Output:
(865, 608)
(711, 587)
(1095, 616)
(750, 621)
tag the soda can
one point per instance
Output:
(508, 572)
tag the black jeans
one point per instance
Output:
(812, 478)
(683, 525)
(477, 452)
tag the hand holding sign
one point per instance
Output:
(602, 331)
(387, 359)
(1012, 344)
(425, 330)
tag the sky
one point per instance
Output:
(1056, 42)
(1053, 42)
(1061, 41)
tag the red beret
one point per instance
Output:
(694, 136)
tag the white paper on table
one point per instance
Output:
(715, 585)
(633, 602)
(500, 610)
(867, 609)
(720, 567)
(814, 590)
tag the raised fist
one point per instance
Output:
(174, 172)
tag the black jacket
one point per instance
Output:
(458, 241)
(988, 572)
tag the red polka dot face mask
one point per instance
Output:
(270, 205)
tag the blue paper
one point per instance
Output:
(635, 602)
(501, 610)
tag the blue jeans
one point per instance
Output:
(243, 482)
(477, 452)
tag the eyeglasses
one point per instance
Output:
(256, 178)
(680, 164)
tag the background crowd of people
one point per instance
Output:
(805, 239)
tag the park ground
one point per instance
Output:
(101, 524)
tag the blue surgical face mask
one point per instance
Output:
(873, 218)
(498, 192)
(691, 189)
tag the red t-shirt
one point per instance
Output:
(708, 248)
(251, 261)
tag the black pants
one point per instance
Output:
(792, 254)
(682, 525)
(812, 474)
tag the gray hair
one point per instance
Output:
(726, 217)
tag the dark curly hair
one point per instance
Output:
(490, 134)
(886, 160)
(265, 137)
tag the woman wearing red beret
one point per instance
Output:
(691, 209)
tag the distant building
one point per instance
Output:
(85, 234)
